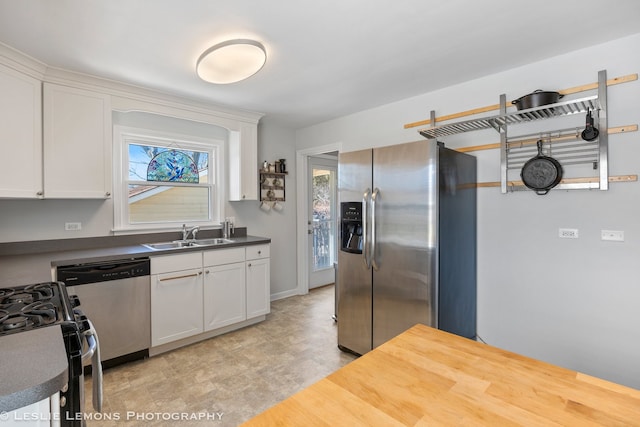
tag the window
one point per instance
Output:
(165, 180)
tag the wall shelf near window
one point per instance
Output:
(272, 186)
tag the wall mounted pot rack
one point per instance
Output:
(566, 144)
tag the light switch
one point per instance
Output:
(612, 235)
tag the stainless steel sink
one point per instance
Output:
(178, 244)
(170, 245)
(211, 242)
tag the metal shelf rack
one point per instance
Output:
(501, 121)
(566, 144)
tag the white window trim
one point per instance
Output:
(121, 134)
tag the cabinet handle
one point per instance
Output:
(259, 252)
(249, 265)
(207, 271)
(39, 193)
(181, 277)
(107, 194)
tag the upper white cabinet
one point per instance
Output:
(243, 163)
(56, 131)
(77, 143)
(20, 134)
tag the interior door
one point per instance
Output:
(322, 219)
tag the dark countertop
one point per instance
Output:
(23, 269)
(27, 380)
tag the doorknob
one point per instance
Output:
(309, 231)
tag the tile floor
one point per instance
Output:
(228, 379)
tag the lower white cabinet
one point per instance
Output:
(258, 281)
(176, 297)
(224, 288)
(202, 291)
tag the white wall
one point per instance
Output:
(25, 220)
(572, 302)
(275, 143)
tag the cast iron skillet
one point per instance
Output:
(541, 173)
(536, 99)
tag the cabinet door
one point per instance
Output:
(224, 295)
(258, 287)
(243, 163)
(77, 143)
(176, 305)
(20, 134)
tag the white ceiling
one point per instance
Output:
(326, 58)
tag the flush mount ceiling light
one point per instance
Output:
(231, 61)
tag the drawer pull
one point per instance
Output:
(180, 277)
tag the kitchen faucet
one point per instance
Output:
(192, 231)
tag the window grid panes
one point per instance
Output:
(323, 219)
(168, 184)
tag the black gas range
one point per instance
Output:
(24, 308)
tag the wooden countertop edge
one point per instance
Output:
(430, 377)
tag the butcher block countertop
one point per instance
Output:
(427, 377)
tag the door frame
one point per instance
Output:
(302, 195)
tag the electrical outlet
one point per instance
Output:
(612, 235)
(568, 233)
(72, 226)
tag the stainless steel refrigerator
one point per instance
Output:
(407, 243)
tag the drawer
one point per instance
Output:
(258, 251)
(167, 263)
(222, 256)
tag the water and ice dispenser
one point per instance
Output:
(351, 227)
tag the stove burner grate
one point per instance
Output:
(28, 307)
(15, 322)
(21, 298)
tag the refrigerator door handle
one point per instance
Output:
(366, 254)
(374, 197)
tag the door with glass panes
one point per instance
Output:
(322, 219)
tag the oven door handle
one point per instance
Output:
(93, 352)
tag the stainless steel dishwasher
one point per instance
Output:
(116, 296)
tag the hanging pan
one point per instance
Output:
(537, 98)
(541, 173)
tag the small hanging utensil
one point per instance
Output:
(590, 133)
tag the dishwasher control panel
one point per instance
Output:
(81, 274)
